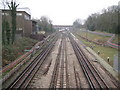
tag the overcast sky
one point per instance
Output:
(64, 12)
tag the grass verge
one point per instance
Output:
(104, 51)
(94, 37)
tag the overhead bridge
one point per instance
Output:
(62, 26)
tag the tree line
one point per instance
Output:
(107, 21)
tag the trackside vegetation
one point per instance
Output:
(14, 51)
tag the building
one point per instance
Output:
(23, 20)
(35, 27)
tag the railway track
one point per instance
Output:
(77, 78)
(28, 73)
(93, 77)
(60, 73)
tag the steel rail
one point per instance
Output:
(54, 78)
(37, 67)
(99, 79)
(66, 64)
(93, 77)
(82, 66)
(63, 68)
(60, 74)
(62, 65)
(22, 77)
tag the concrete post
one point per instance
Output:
(116, 64)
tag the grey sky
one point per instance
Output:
(65, 11)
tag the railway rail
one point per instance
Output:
(77, 78)
(25, 77)
(60, 73)
(94, 79)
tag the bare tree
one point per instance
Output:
(13, 7)
(46, 24)
(77, 23)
